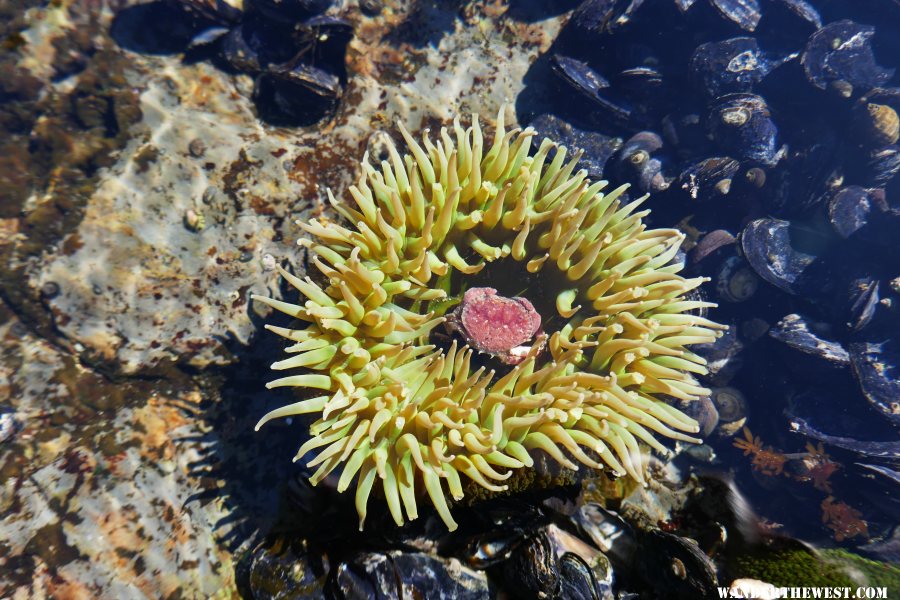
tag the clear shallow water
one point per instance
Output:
(132, 364)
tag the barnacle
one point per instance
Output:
(397, 409)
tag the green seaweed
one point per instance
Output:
(800, 566)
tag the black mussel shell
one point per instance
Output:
(810, 339)
(369, 575)
(150, 28)
(291, 11)
(743, 13)
(841, 53)
(303, 504)
(644, 84)
(890, 474)
(807, 176)
(723, 356)
(532, 570)
(862, 302)
(578, 580)
(635, 162)
(877, 369)
(674, 566)
(836, 416)
(267, 568)
(600, 16)
(249, 47)
(218, 11)
(608, 531)
(872, 449)
(882, 166)
(849, 209)
(800, 8)
(399, 574)
(734, 65)
(241, 53)
(327, 35)
(300, 96)
(579, 75)
(595, 88)
(318, 81)
(598, 148)
(766, 244)
(742, 125)
(710, 178)
(492, 548)
(420, 575)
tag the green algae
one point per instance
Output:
(799, 566)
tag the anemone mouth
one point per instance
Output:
(510, 280)
(397, 409)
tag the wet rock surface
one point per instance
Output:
(95, 474)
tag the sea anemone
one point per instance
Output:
(404, 406)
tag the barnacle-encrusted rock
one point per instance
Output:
(398, 410)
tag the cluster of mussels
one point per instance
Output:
(294, 51)
(770, 130)
(531, 551)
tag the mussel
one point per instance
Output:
(579, 75)
(838, 417)
(742, 126)
(597, 147)
(218, 11)
(399, 574)
(840, 54)
(591, 85)
(811, 339)
(710, 178)
(291, 10)
(766, 243)
(849, 209)
(882, 166)
(734, 65)
(723, 357)
(862, 302)
(269, 569)
(675, 566)
(877, 369)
